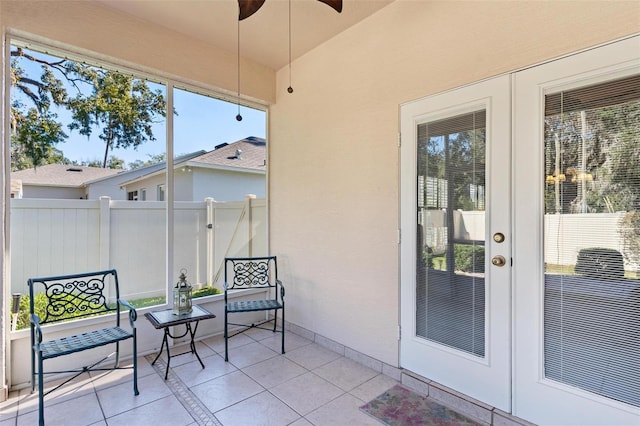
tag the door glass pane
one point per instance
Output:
(592, 239)
(450, 291)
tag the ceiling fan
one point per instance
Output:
(249, 7)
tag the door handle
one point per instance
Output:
(498, 261)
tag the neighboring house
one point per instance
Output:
(227, 173)
(111, 186)
(56, 181)
(60, 181)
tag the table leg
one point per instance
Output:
(166, 373)
(192, 344)
(164, 342)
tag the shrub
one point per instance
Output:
(40, 304)
(597, 262)
(469, 258)
(427, 257)
(205, 291)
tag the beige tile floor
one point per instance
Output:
(309, 385)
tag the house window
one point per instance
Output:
(160, 192)
(132, 196)
(143, 194)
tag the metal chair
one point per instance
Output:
(242, 273)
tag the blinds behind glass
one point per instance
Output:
(450, 289)
(592, 238)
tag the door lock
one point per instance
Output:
(498, 237)
(498, 261)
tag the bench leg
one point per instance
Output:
(135, 366)
(226, 336)
(40, 392)
(282, 330)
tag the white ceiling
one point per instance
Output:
(264, 35)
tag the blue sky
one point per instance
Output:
(201, 123)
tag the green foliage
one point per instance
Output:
(630, 230)
(153, 159)
(205, 291)
(469, 258)
(611, 157)
(427, 258)
(38, 134)
(40, 304)
(40, 307)
(122, 107)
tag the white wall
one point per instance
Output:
(333, 182)
(53, 192)
(151, 185)
(198, 184)
(224, 185)
(110, 187)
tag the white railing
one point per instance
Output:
(57, 237)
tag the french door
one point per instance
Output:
(456, 240)
(577, 238)
(520, 242)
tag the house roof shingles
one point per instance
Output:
(61, 175)
(252, 156)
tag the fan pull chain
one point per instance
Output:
(239, 116)
(290, 89)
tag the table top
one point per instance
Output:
(166, 317)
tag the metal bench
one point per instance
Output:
(61, 298)
(241, 273)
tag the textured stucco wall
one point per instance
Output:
(333, 183)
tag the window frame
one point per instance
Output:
(170, 83)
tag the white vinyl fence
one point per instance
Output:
(57, 237)
(565, 235)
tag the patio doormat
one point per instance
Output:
(400, 406)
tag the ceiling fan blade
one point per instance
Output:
(249, 7)
(335, 4)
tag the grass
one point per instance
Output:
(160, 300)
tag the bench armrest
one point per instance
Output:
(279, 283)
(133, 315)
(35, 323)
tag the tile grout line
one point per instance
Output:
(188, 400)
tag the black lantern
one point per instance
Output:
(182, 295)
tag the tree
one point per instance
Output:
(113, 163)
(35, 130)
(35, 142)
(153, 159)
(121, 107)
